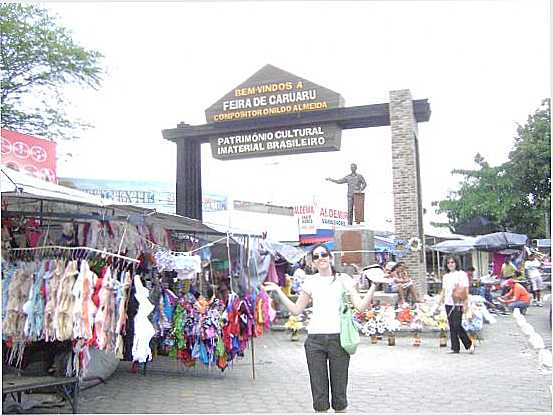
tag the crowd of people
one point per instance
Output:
(521, 287)
(315, 281)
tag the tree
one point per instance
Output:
(486, 192)
(514, 196)
(530, 161)
(38, 58)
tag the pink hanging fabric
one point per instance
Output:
(498, 260)
(272, 275)
(32, 232)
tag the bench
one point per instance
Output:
(16, 385)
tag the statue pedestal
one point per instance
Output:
(358, 242)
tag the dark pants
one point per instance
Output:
(323, 352)
(456, 330)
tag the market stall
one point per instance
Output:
(171, 285)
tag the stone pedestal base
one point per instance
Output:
(355, 245)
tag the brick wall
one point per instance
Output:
(405, 174)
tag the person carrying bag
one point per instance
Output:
(349, 335)
(455, 295)
(331, 337)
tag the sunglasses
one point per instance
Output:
(321, 255)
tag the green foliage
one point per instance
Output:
(486, 192)
(514, 196)
(37, 59)
(530, 160)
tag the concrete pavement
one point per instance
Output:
(502, 376)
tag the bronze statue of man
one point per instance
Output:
(356, 184)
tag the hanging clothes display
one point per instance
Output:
(186, 266)
(128, 338)
(264, 313)
(65, 302)
(52, 283)
(112, 236)
(281, 268)
(214, 333)
(93, 301)
(272, 275)
(18, 293)
(51, 300)
(143, 329)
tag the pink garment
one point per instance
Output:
(269, 312)
(32, 232)
(272, 275)
(498, 260)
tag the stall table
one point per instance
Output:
(16, 385)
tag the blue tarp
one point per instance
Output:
(383, 244)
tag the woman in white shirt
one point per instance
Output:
(322, 347)
(454, 307)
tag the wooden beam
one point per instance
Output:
(189, 179)
(376, 115)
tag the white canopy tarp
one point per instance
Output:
(455, 246)
(23, 185)
(26, 193)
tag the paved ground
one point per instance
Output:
(503, 376)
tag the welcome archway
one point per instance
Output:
(275, 112)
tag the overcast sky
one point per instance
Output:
(483, 65)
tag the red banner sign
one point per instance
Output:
(30, 155)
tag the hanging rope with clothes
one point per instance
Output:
(74, 248)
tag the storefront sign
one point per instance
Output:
(272, 91)
(306, 219)
(312, 217)
(288, 140)
(333, 218)
(30, 155)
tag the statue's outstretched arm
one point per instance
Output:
(339, 181)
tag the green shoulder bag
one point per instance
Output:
(349, 335)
